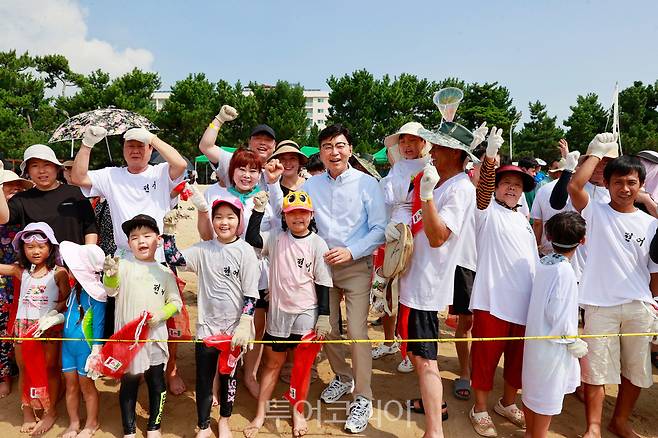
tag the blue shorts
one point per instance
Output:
(74, 356)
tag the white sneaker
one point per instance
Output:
(383, 350)
(406, 366)
(359, 414)
(336, 390)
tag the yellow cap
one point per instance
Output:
(297, 201)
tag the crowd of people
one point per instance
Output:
(290, 247)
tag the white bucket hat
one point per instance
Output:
(410, 128)
(8, 176)
(40, 151)
(560, 165)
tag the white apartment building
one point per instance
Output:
(316, 105)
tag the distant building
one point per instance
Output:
(316, 105)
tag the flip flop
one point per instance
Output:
(459, 387)
(411, 405)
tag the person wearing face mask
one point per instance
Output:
(506, 259)
(11, 185)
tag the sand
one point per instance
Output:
(390, 388)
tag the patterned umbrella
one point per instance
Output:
(115, 120)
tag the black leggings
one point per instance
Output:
(155, 381)
(206, 368)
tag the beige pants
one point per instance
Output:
(610, 358)
(352, 280)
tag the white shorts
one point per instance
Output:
(282, 324)
(612, 357)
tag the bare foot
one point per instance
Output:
(71, 431)
(28, 427)
(88, 431)
(252, 429)
(622, 429)
(204, 433)
(176, 385)
(224, 429)
(299, 426)
(154, 434)
(593, 431)
(253, 386)
(45, 424)
(5, 387)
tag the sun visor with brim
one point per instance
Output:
(453, 136)
(528, 180)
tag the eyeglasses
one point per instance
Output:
(340, 146)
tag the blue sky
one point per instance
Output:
(546, 50)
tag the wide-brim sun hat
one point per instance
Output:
(528, 180)
(234, 202)
(451, 135)
(41, 152)
(86, 264)
(540, 162)
(560, 165)
(289, 147)
(367, 165)
(651, 156)
(411, 128)
(8, 176)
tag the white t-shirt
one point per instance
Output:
(395, 186)
(428, 282)
(129, 194)
(296, 265)
(145, 286)
(542, 210)
(227, 273)
(524, 209)
(468, 255)
(507, 255)
(618, 265)
(549, 370)
(270, 222)
(596, 194)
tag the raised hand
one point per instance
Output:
(602, 145)
(494, 142)
(428, 182)
(92, 135)
(479, 135)
(273, 171)
(226, 114)
(563, 146)
(141, 135)
(260, 201)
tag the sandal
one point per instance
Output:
(511, 412)
(416, 405)
(461, 389)
(482, 423)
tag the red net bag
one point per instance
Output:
(35, 382)
(178, 326)
(228, 357)
(116, 356)
(305, 354)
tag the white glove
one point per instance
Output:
(260, 201)
(602, 144)
(111, 266)
(245, 333)
(578, 348)
(140, 134)
(90, 365)
(479, 135)
(571, 162)
(48, 320)
(169, 221)
(391, 232)
(428, 182)
(322, 326)
(92, 135)
(378, 303)
(494, 142)
(226, 114)
(198, 200)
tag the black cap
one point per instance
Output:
(528, 163)
(141, 220)
(263, 129)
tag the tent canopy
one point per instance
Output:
(306, 150)
(380, 156)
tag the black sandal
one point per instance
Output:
(420, 409)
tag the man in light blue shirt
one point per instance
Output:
(351, 216)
